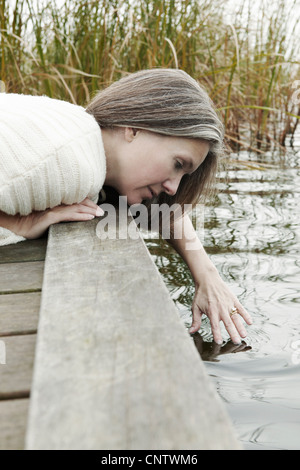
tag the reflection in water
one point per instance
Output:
(252, 235)
(209, 350)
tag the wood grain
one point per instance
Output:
(29, 250)
(16, 374)
(13, 424)
(115, 367)
(19, 313)
(21, 277)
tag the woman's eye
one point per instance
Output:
(178, 165)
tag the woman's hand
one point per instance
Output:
(214, 299)
(35, 224)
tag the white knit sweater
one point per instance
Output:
(51, 153)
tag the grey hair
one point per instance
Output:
(168, 102)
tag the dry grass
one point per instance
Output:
(247, 65)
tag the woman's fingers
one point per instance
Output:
(216, 330)
(87, 204)
(233, 324)
(214, 323)
(197, 317)
(244, 314)
(86, 210)
(70, 214)
(238, 323)
(95, 211)
(216, 301)
(234, 329)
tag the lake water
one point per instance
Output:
(252, 235)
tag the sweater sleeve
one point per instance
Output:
(52, 156)
(9, 238)
(63, 177)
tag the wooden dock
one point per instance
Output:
(114, 367)
(21, 279)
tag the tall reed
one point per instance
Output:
(247, 61)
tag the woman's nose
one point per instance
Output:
(170, 186)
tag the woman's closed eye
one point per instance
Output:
(179, 165)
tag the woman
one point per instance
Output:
(153, 136)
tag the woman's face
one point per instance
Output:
(147, 164)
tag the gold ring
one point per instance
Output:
(233, 311)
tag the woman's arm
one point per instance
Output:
(7, 221)
(212, 296)
(35, 224)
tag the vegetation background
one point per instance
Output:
(246, 57)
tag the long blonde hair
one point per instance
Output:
(171, 103)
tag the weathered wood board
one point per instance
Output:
(13, 424)
(115, 367)
(16, 374)
(19, 313)
(21, 277)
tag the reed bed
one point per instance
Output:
(248, 61)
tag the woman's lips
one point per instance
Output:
(151, 192)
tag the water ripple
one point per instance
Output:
(252, 235)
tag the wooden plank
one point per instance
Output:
(19, 313)
(13, 421)
(21, 277)
(29, 250)
(21, 269)
(16, 374)
(115, 367)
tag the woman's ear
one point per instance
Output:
(130, 133)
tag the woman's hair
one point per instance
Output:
(171, 103)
